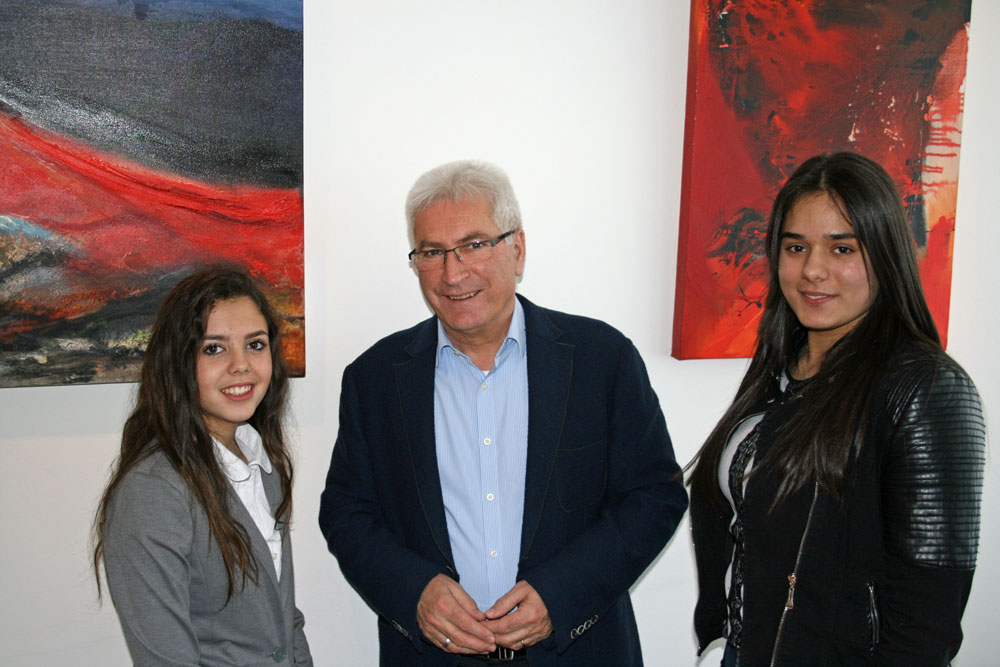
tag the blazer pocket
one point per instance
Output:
(581, 475)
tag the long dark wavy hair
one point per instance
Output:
(167, 416)
(829, 429)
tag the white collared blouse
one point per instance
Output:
(246, 481)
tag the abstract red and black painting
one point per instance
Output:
(140, 142)
(774, 82)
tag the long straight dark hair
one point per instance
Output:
(822, 436)
(167, 416)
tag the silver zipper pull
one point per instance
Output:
(790, 603)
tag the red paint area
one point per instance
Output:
(771, 84)
(125, 224)
(128, 218)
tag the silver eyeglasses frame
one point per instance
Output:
(433, 258)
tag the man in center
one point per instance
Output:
(503, 472)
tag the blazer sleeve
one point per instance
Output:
(301, 654)
(641, 508)
(389, 576)
(931, 492)
(146, 557)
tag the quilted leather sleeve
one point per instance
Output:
(933, 471)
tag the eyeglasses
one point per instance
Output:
(467, 253)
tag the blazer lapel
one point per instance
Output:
(415, 385)
(550, 368)
(258, 545)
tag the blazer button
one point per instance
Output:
(278, 654)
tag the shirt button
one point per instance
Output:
(274, 555)
(493, 554)
(486, 441)
(483, 386)
(489, 496)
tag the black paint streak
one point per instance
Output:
(218, 99)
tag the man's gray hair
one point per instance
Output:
(464, 179)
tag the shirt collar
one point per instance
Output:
(515, 332)
(251, 445)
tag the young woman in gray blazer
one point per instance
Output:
(193, 525)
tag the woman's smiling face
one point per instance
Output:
(233, 366)
(823, 271)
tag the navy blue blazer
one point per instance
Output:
(602, 496)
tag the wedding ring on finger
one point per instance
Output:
(447, 642)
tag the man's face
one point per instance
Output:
(473, 301)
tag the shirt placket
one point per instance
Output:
(489, 475)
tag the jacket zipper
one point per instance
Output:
(874, 620)
(792, 578)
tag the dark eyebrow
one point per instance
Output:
(832, 237)
(255, 334)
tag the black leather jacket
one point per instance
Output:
(881, 576)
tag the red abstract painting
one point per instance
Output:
(772, 83)
(140, 142)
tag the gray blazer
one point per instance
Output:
(168, 581)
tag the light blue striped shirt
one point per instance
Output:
(481, 434)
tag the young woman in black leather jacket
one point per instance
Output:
(835, 507)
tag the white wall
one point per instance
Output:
(582, 102)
